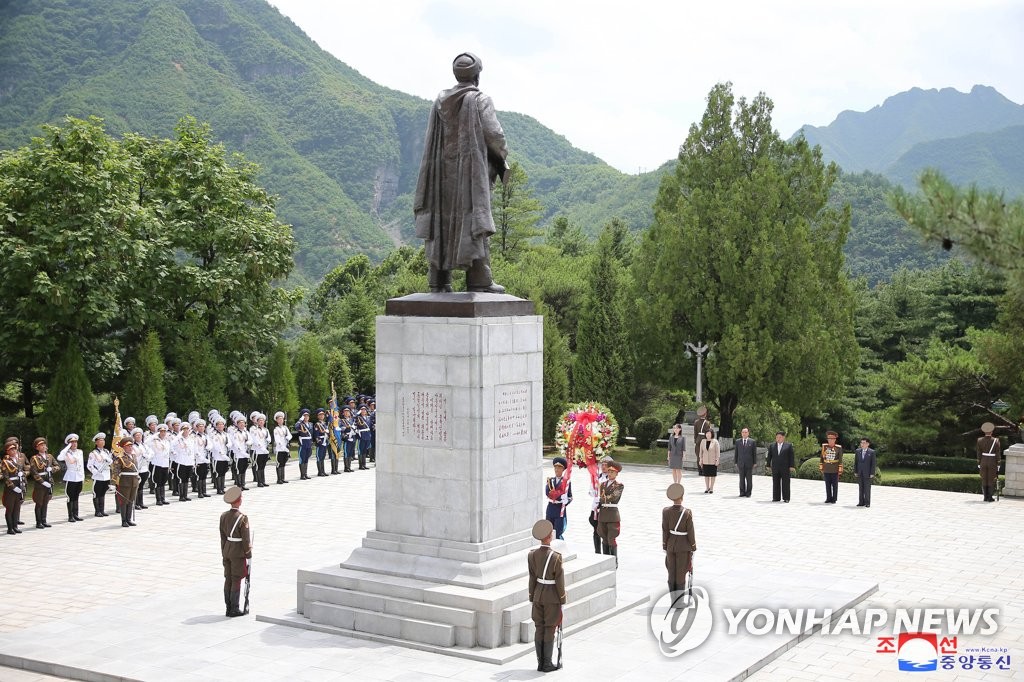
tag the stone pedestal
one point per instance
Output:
(1014, 486)
(459, 483)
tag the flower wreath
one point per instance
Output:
(585, 433)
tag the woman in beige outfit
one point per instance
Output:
(710, 455)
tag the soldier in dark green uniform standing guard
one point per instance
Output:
(988, 450)
(547, 593)
(236, 551)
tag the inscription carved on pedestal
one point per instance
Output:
(512, 414)
(425, 415)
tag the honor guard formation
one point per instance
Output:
(189, 457)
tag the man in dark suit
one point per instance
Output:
(780, 460)
(864, 470)
(745, 456)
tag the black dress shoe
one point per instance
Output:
(786, 501)
(124, 524)
(867, 505)
(40, 526)
(21, 523)
(17, 531)
(46, 525)
(11, 531)
(132, 523)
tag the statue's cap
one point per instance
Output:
(466, 67)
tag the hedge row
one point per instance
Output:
(955, 465)
(963, 483)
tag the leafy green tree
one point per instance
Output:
(70, 404)
(278, 390)
(940, 394)
(557, 361)
(225, 247)
(144, 383)
(984, 224)
(310, 369)
(600, 371)
(73, 235)
(745, 254)
(357, 322)
(339, 374)
(516, 214)
(196, 378)
(566, 236)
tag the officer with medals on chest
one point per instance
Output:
(831, 466)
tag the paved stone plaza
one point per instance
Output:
(96, 601)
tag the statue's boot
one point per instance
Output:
(439, 281)
(478, 278)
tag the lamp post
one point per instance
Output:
(698, 349)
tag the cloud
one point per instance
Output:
(626, 81)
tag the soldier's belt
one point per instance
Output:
(608, 504)
(234, 539)
(129, 473)
(677, 532)
(541, 581)
(989, 454)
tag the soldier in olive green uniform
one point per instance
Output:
(547, 593)
(831, 466)
(700, 425)
(13, 468)
(677, 538)
(236, 551)
(609, 494)
(124, 472)
(988, 450)
(42, 466)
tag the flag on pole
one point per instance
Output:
(335, 433)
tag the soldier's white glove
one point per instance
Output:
(17, 490)
(564, 499)
(47, 485)
(49, 469)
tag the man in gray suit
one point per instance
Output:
(864, 470)
(745, 456)
(780, 460)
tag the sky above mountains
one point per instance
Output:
(627, 83)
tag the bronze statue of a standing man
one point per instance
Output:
(464, 153)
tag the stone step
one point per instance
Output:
(574, 612)
(390, 605)
(577, 594)
(573, 593)
(389, 625)
(415, 590)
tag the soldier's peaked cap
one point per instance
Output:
(542, 529)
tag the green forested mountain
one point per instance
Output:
(992, 160)
(873, 140)
(340, 151)
(880, 241)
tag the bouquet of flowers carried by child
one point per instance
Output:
(585, 434)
